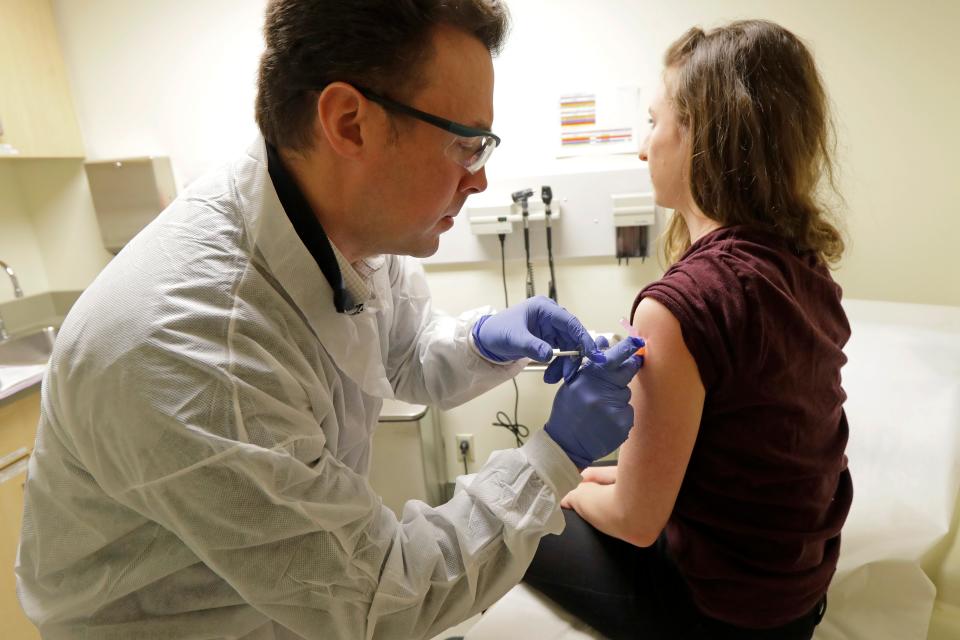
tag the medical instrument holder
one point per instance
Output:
(582, 198)
(494, 220)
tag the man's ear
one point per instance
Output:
(345, 119)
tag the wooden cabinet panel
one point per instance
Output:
(36, 110)
(15, 623)
(18, 425)
(18, 420)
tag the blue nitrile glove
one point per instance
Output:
(531, 329)
(592, 415)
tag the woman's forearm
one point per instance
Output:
(598, 504)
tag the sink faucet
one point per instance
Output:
(17, 293)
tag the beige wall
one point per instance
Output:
(48, 229)
(18, 241)
(58, 200)
(887, 64)
(889, 70)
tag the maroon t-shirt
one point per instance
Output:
(756, 526)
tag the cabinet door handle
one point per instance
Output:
(13, 458)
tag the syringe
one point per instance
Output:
(642, 351)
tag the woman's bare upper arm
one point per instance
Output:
(667, 397)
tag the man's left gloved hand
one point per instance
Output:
(531, 329)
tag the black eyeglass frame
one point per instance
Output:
(455, 128)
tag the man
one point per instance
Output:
(200, 469)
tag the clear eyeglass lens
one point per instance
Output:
(473, 153)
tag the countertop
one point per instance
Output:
(17, 379)
(13, 380)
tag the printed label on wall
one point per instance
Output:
(602, 122)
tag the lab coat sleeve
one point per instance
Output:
(431, 359)
(240, 472)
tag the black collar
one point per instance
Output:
(307, 226)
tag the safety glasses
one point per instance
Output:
(471, 148)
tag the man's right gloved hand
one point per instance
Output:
(592, 415)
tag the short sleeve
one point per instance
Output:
(706, 296)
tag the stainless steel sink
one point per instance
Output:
(28, 349)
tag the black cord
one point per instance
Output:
(546, 195)
(464, 447)
(503, 270)
(518, 430)
(552, 286)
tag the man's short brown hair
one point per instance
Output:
(380, 44)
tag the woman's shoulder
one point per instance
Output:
(712, 267)
(749, 261)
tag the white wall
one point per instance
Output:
(178, 77)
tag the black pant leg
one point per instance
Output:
(629, 592)
(621, 590)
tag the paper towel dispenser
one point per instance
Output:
(127, 194)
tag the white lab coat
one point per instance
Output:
(201, 464)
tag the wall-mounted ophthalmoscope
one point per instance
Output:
(523, 196)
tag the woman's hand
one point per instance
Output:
(572, 499)
(588, 493)
(593, 477)
(600, 475)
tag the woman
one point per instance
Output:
(722, 518)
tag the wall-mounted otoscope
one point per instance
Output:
(523, 196)
(546, 194)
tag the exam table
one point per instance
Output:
(899, 571)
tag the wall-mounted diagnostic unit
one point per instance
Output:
(634, 215)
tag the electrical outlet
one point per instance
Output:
(468, 439)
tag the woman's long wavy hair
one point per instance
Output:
(762, 139)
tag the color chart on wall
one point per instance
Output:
(597, 123)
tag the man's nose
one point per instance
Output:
(643, 150)
(474, 182)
